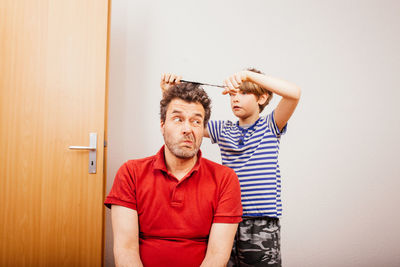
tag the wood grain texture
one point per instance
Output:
(52, 81)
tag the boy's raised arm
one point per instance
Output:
(289, 92)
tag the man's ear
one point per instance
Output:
(162, 126)
(262, 98)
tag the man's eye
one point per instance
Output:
(197, 122)
(176, 119)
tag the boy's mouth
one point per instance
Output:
(236, 107)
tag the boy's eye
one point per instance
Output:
(177, 119)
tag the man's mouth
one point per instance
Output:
(187, 142)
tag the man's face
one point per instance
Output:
(183, 128)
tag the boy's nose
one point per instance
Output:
(235, 98)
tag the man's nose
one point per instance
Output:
(186, 127)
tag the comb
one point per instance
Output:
(206, 84)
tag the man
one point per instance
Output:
(176, 208)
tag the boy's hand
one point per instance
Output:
(168, 80)
(233, 82)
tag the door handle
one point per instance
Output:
(82, 147)
(92, 151)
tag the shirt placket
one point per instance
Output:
(178, 196)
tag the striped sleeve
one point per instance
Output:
(272, 125)
(214, 130)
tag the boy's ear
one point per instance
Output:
(262, 98)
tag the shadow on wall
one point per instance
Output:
(125, 70)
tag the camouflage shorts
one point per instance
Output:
(257, 243)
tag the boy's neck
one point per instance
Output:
(249, 120)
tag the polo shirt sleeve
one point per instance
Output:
(214, 130)
(272, 125)
(229, 208)
(123, 191)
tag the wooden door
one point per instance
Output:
(53, 58)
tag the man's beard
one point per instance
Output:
(179, 152)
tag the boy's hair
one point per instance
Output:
(255, 89)
(189, 92)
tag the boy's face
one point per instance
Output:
(245, 104)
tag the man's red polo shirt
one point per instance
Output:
(175, 217)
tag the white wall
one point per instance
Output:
(339, 159)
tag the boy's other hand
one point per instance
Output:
(168, 80)
(233, 82)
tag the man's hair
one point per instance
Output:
(189, 92)
(255, 89)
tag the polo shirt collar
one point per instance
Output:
(159, 163)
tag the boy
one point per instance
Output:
(250, 147)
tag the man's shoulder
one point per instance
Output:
(140, 163)
(216, 167)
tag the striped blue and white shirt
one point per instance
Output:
(253, 154)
